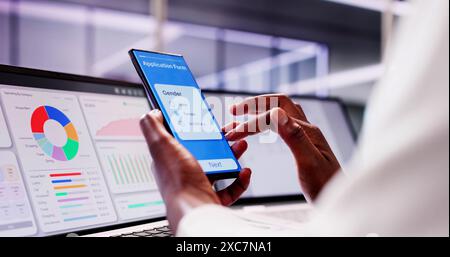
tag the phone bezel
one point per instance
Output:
(154, 105)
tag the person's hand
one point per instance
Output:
(316, 163)
(181, 180)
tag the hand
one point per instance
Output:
(316, 163)
(181, 180)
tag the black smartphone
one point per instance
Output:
(171, 87)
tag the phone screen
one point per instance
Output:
(173, 87)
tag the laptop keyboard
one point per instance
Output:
(163, 231)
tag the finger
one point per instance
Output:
(302, 113)
(230, 126)
(263, 103)
(261, 123)
(239, 148)
(258, 124)
(315, 135)
(295, 137)
(257, 104)
(158, 138)
(230, 194)
(152, 126)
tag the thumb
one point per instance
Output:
(293, 135)
(154, 131)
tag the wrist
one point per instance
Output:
(179, 204)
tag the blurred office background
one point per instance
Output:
(320, 47)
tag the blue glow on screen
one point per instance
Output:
(173, 70)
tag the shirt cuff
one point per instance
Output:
(217, 221)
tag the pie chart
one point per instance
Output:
(44, 114)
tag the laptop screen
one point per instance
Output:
(72, 156)
(273, 167)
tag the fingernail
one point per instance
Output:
(283, 118)
(229, 134)
(155, 111)
(144, 121)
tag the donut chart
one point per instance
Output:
(40, 116)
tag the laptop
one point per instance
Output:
(274, 189)
(73, 161)
(72, 157)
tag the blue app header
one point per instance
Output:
(165, 69)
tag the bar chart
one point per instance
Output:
(140, 205)
(128, 169)
(70, 198)
(72, 195)
(127, 166)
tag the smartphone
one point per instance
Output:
(171, 87)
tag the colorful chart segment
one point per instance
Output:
(41, 115)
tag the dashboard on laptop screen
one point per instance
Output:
(72, 157)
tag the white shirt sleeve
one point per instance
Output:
(217, 221)
(398, 182)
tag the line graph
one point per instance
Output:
(119, 128)
(114, 118)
